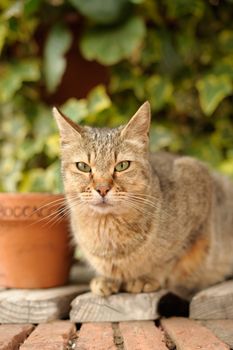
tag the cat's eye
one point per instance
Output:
(122, 165)
(85, 168)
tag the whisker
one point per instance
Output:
(145, 201)
(52, 215)
(138, 199)
(52, 204)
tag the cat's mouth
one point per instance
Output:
(102, 204)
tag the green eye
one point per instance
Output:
(83, 167)
(122, 165)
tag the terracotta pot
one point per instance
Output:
(35, 249)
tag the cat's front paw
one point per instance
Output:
(141, 285)
(103, 286)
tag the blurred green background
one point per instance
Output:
(98, 60)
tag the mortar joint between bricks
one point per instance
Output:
(71, 345)
(117, 336)
(168, 341)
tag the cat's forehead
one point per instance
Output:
(101, 142)
(101, 137)
(99, 146)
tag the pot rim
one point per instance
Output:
(29, 206)
(30, 194)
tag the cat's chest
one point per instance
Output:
(107, 236)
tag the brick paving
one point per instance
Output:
(189, 335)
(166, 334)
(142, 335)
(12, 335)
(50, 336)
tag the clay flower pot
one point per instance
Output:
(35, 249)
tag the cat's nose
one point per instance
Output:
(103, 189)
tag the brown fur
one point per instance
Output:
(192, 259)
(167, 220)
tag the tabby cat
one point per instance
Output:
(144, 221)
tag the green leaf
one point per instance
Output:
(98, 100)
(43, 122)
(13, 75)
(28, 70)
(42, 180)
(161, 136)
(137, 2)
(152, 52)
(3, 33)
(107, 11)
(227, 167)
(75, 109)
(170, 63)
(31, 6)
(53, 177)
(122, 79)
(29, 148)
(225, 40)
(187, 46)
(180, 8)
(16, 131)
(33, 180)
(57, 44)
(159, 91)
(224, 66)
(204, 149)
(11, 173)
(9, 83)
(15, 10)
(53, 146)
(109, 46)
(212, 90)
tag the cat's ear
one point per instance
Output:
(68, 129)
(139, 125)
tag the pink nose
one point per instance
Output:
(103, 189)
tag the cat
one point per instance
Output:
(144, 221)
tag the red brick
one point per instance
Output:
(12, 335)
(223, 329)
(142, 335)
(189, 335)
(50, 336)
(95, 336)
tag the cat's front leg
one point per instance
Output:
(141, 285)
(104, 286)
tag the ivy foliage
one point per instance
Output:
(178, 54)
